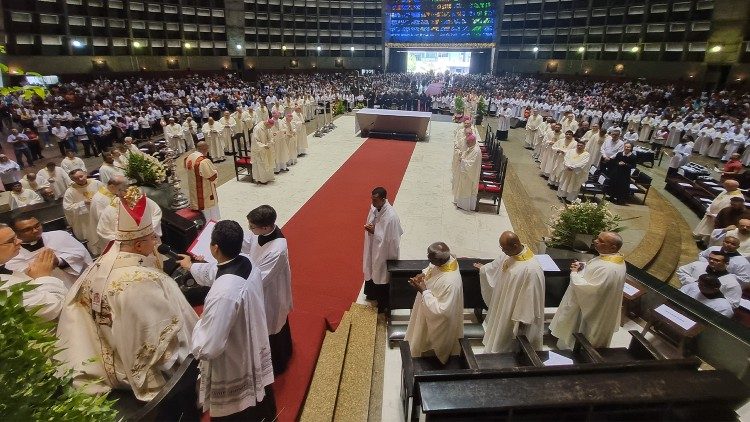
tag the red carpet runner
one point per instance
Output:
(326, 238)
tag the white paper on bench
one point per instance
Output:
(629, 289)
(202, 244)
(633, 187)
(675, 317)
(547, 263)
(706, 200)
(744, 303)
(602, 179)
(711, 183)
(687, 185)
(557, 359)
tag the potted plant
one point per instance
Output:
(481, 110)
(575, 226)
(32, 388)
(145, 169)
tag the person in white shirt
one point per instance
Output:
(231, 336)
(61, 135)
(708, 292)
(71, 162)
(738, 264)
(631, 136)
(610, 148)
(108, 169)
(382, 242)
(20, 197)
(741, 232)
(717, 266)
(41, 125)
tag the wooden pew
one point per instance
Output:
(402, 294)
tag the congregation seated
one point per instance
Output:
(741, 232)
(708, 292)
(738, 264)
(717, 266)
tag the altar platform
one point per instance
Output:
(393, 124)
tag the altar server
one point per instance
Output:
(591, 304)
(436, 322)
(513, 289)
(382, 240)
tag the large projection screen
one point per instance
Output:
(440, 21)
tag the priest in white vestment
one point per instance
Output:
(126, 324)
(212, 133)
(71, 162)
(174, 136)
(459, 146)
(301, 132)
(20, 197)
(382, 242)
(108, 169)
(231, 339)
(280, 146)
(513, 289)
(468, 172)
(228, 125)
(436, 323)
(32, 181)
(574, 174)
(102, 199)
(532, 126)
(71, 257)
(559, 149)
(704, 228)
(288, 131)
(262, 152)
(592, 303)
(189, 132)
(546, 153)
(716, 264)
(49, 292)
(55, 177)
(202, 175)
(77, 202)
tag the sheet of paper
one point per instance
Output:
(744, 303)
(547, 263)
(706, 200)
(687, 185)
(557, 359)
(676, 317)
(629, 289)
(202, 244)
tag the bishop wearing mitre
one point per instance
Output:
(436, 323)
(125, 324)
(262, 152)
(467, 175)
(513, 289)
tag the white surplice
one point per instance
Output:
(591, 304)
(573, 174)
(513, 289)
(719, 304)
(48, 295)
(58, 180)
(381, 245)
(436, 322)
(65, 247)
(231, 340)
(467, 185)
(25, 198)
(730, 286)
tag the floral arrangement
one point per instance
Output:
(581, 218)
(359, 105)
(338, 108)
(145, 169)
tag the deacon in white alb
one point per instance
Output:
(262, 152)
(212, 132)
(591, 304)
(231, 338)
(382, 241)
(436, 323)
(71, 257)
(513, 289)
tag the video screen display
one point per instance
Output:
(440, 21)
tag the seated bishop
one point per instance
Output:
(125, 323)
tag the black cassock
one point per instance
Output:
(618, 171)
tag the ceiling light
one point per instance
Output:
(535, 49)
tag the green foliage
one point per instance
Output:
(338, 108)
(458, 104)
(2, 49)
(145, 169)
(481, 107)
(581, 218)
(30, 389)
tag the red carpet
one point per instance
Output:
(326, 238)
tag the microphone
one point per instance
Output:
(165, 250)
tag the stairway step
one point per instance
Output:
(354, 389)
(320, 403)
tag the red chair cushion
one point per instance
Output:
(243, 161)
(492, 188)
(487, 166)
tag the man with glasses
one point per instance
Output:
(49, 292)
(70, 256)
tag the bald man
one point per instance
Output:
(591, 304)
(436, 323)
(741, 231)
(703, 230)
(513, 289)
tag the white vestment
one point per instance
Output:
(469, 170)
(722, 200)
(231, 341)
(717, 237)
(730, 287)
(212, 136)
(106, 227)
(591, 304)
(738, 264)
(102, 199)
(436, 322)
(573, 174)
(136, 338)
(25, 198)
(48, 295)
(262, 154)
(559, 149)
(381, 245)
(513, 289)
(227, 130)
(719, 304)
(107, 171)
(77, 211)
(65, 247)
(288, 132)
(58, 180)
(75, 163)
(301, 134)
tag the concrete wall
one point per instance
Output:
(60, 65)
